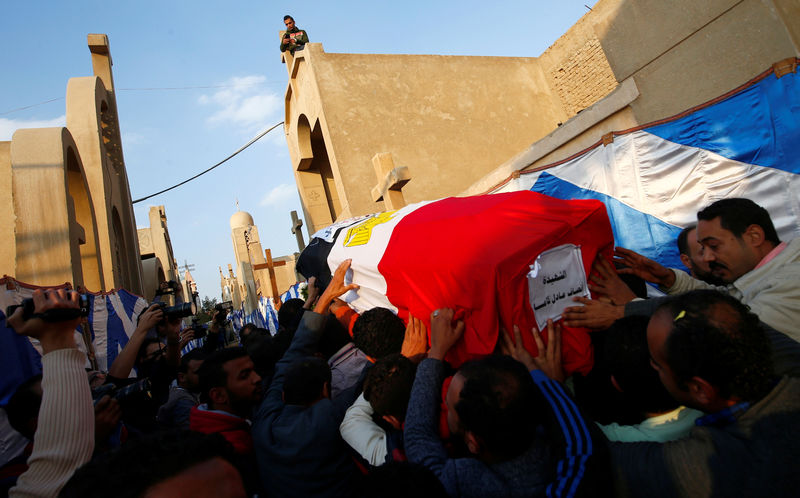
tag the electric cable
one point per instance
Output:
(240, 149)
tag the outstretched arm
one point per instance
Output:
(123, 363)
(64, 438)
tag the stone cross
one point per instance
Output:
(391, 181)
(270, 265)
(297, 223)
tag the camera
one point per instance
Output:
(121, 394)
(200, 330)
(224, 308)
(178, 311)
(168, 287)
(52, 315)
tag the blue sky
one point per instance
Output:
(170, 135)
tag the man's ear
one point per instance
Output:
(754, 235)
(391, 419)
(326, 390)
(474, 443)
(703, 393)
(181, 377)
(686, 260)
(218, 396)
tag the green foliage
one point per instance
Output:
(206, 309)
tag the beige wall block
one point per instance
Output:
(735, 47)
(789, 13)
(448, 119)
(638, 31)
(8, 243)
(56, 235)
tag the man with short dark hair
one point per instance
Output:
(387, 390)
(293, 38)
(495, 406)
(742, 248)
(626, 359)
(378, 332)
(712, 355)
(183, 393)
(691, 254)
(230, 388)
(296, 428)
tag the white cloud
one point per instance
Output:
(244, 103)
(279, 195)
(9, 126)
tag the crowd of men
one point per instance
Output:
(691, 394)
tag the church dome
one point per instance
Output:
(241, 219)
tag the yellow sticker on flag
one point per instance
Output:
(360, 234)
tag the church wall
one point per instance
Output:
(447, 118)
(667, 57)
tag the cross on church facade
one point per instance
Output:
(297, 224)
(391, 181)
(270, 265)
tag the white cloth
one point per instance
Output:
(772, 291)
(363, 434)
(660, 429)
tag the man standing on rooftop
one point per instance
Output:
(293, 38)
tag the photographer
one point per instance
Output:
(64, 437)
(154, 349)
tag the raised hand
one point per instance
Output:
(416, 339)
(444, 333)
(605, 280)
(51, 335)
(548, 359)
(336, 288)
(593, 314)
(644, 267)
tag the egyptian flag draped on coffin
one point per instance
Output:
(471, 254)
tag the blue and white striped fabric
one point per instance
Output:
(112, 320)
(655, 179)
(265, 315)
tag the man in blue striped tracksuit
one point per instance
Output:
(524, 434)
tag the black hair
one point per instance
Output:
(388, 384)
(379, 332)
(246, 330)
(140, 355)
(212, 372)
(716, 337)
(304, 381)
(23, 407)
(627, 358)
(287, 16)
(196, 354)
(683, 239)
(737, 214)
(334, 337)
(291, 313)
(263, 351)
(140, 464)
(400, 480)
(498, 403)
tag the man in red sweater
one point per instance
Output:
(230, 388)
